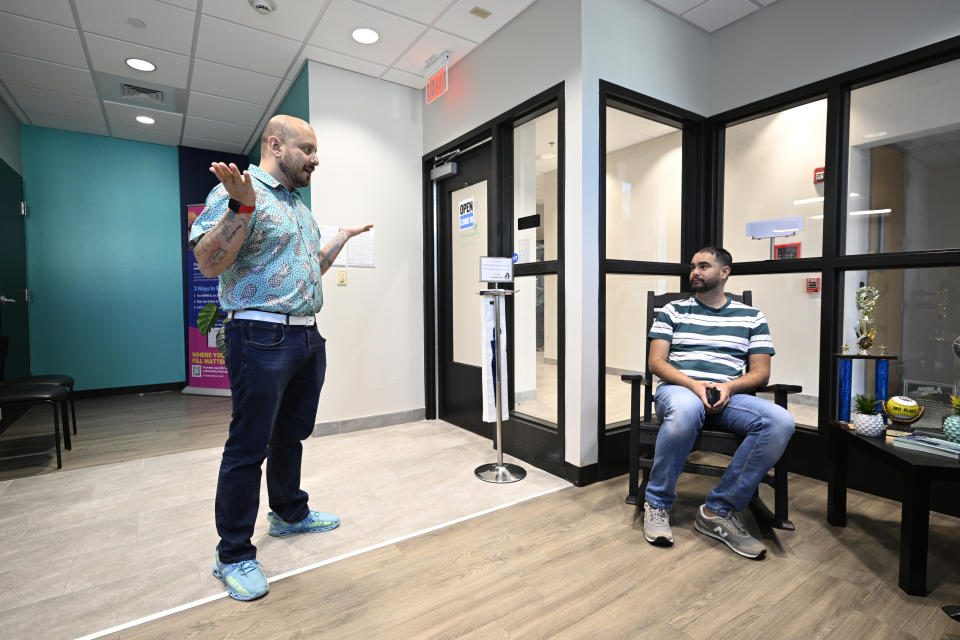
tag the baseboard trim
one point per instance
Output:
(367, 422)
(126, 391)
(581, 476)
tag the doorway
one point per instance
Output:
(503, 199)
(14, 338)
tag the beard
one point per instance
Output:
(299, 176)
(704, 286)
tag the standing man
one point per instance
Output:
(705, 343)
(263, 243)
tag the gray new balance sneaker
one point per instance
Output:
(656, 526)
(731, 532)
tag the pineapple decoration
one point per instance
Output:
(951, 425)
(867, 421)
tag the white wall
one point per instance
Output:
(369, 133)
(795, 42)
(10, 139)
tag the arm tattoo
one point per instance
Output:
(328, 254)
(218, 255)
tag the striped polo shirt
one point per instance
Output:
(711, 344)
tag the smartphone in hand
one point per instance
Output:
(713, 396)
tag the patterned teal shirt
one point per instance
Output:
(711, 344)
(276, 269)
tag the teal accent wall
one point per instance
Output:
(297, 104)
(103, 258)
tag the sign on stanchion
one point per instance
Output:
(496, 270)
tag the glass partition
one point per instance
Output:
(904, 170)
(773, 185)
(535, 347)
(535, 164)
(643, 188)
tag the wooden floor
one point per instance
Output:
(116, 429)
(568, 565)
(574, 564)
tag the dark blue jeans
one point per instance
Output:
(276, 373)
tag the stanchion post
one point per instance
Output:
(498, 472)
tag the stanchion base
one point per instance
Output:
(500, 473)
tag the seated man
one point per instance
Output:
(697, 345)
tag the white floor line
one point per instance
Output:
(343, 556)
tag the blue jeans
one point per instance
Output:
(767, 428)
(276, 373)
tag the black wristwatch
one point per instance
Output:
(236, 207)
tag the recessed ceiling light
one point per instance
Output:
(875, 134)
(365, 36)
(145, 120)
(140, 65)
(136, 22)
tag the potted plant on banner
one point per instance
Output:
(951, 424)
(867, 421)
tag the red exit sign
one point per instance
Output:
(437, 84)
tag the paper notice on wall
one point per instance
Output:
(327, 233)
(361, 250)
(490, 363)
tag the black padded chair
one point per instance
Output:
(644, 428)
(62, 380)
(51, 394)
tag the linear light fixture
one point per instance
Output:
(145, 120)
(867, 212)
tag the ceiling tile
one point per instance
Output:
(46, 75)
(7, 99)
(145, 135)
(343, 16)
(213, 145)
(109, 55)
(125, 115)
(233, 44)
(204, 105)
(281, 95)
(216, 130)
(460, 22)
(230, 82)
(433, 43)
(57, 12)
(95, 126)
(186, 4)
(41, 40)
(32, 99)
(293, 18)
(407, 79)
(169, 28)
(676, 7)
(424, 11)
(350, 63)
(714, 14)
(765, 3)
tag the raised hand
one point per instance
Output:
(355, 231)
(238, 185)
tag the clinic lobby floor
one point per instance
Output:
(125, 531)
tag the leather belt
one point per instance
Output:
(267, 316)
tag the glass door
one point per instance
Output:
(13, 278)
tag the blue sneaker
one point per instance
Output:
(315, 522)
(244, 580)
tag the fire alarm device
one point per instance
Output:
(813, 285)
(818, 174)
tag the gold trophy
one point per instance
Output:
(866, 332)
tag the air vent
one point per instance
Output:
(480, 12)
(131, 92)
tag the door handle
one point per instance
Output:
(5, 300)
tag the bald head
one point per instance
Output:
(288, 150)
(281, 127)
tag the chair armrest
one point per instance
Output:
(634, 377)
(780, 392)
(785, 388)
